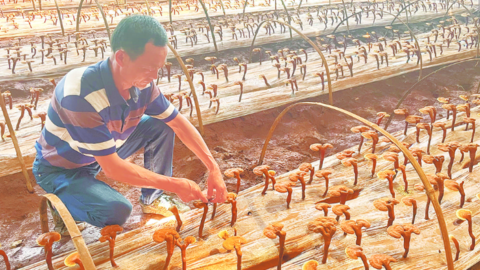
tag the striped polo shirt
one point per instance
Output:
(88, 117)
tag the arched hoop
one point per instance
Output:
(428, 187)
(72, 228)
(79, 11)
(192, 88)
(325, 64)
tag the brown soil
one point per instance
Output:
(238, 142)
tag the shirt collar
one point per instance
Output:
(113, 94)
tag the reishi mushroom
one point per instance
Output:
(378, 261)
(183, 248)
(428, 128)
(360, 129)
(307, 167)
(340, 191)
(109, 233)
(449, 147)
(355, 227)
(354, 252)
(298, 176)
(46, 240)
(321, 148)
(410, 201)
(352, 162)
(5, 258)
(457, 246)
(235, 242)
(441, 125)
(272, 231)
(420, 187)
(262, 170)
(404, 231)
(285, 187)
(388, 174)
(73, 260)
(340, 210)
(170, 236)
(231, 199)
(387, 204)
(373, 158)
(200, 205)
(310, 265)
(371, 135)
(465, 214)
(325, 226)
(323, 207)
(437, 161)
(235, 172)
(454, 186)
(325, 174)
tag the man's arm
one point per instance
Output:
(189, 135)
(123, 171)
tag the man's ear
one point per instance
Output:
(121, 57)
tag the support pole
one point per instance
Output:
(15, 144)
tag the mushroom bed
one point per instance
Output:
(238, 142)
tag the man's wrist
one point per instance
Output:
(212, 166)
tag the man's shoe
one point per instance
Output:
(60, 226)
(161, 205)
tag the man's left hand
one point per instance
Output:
(217, 191)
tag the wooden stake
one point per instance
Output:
(17, 147)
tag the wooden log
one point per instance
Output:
(255, 212)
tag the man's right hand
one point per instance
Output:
(189, 191)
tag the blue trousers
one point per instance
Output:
(95, 202)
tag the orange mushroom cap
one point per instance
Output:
(310, 265)
(379, 260)
(271, 230)
(48, 238)
(353, 252)
(70, 259)
(463, 214)
(161, 235)
(230, 243)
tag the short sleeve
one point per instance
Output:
(159, 107)
(86, 130)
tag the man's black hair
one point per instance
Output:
(134, 32)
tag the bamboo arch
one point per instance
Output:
(428, 188)
(330, 92)
(72, 228)
(79, 11)
(192, 88)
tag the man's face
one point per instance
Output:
(144, 68)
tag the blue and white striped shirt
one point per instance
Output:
(88, 117)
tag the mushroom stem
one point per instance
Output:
(202, 222)
(390, 185)
(470, 232)
(289, 197)
(361, 143)
(326, 186)
(214, 211)
(111, 244)
(457, 247)
(406, 244)
(391, 214)
(239, 256)
(343, 197)
(328, 239)
(281, 238)
(239, 180)
(472, 152)
(355, 171)
(170, 248)
(364, 260)
(267, 177)
(414, 206)
(5, 258)
(234, 213)
(462, 194)
(174, 210)
(426, 208)
(358, 234)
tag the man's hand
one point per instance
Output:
(217, 191)
(189, 191)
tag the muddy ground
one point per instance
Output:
(238, 142)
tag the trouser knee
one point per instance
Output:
(117, 213)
